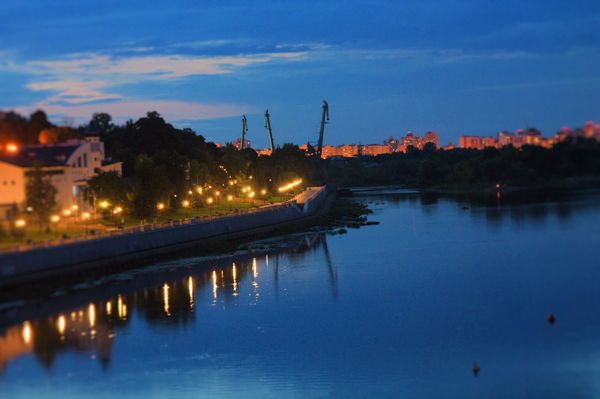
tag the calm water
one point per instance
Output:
(401, 309)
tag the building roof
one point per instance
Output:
(30, 156)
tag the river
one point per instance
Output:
(400, 309)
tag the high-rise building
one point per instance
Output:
(430, 137)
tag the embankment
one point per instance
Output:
(34, 264)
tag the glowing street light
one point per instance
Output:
(117, 210)
(290, 186)
(85, 216)
(209, 201)
(160, 206)
(104, 204)
(54, 218)
(12, 148)
(185, 203)
(199, 190)
(20, 223)
(74, 207)
(67, 212)
(263, 191)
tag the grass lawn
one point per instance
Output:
(32, 233)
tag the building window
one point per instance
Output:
(79, 162)
(85, 160)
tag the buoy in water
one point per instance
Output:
(475, 369)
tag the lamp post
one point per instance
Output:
(185, 204)
(229, 199)
(85, 216)
(54, 219)
(209, 201)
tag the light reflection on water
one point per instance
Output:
(400, 309)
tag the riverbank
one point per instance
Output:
(137, 245)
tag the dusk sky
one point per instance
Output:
(385, 67)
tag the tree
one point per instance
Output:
(41, 195)
(103, 121)
(108, 186)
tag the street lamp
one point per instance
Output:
(85, 216)
(229, 199)
(55, 219)
(209, 201)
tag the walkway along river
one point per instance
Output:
(139, 244)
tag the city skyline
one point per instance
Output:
(457, 69)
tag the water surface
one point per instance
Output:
(401, 309)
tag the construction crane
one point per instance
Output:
(244, 130)
(324, 115)
(324, 119)
(269, 131)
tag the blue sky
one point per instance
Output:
(385, 67)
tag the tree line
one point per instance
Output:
(576, 157)
(162, 163)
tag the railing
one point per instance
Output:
(144, 228)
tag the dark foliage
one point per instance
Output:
(461, 168)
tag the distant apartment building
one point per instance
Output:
(471, 142)
(430, 137)
(410, 140)
(374, 149)
(69, 166)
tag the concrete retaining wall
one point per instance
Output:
(138, 245)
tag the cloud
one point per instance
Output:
(424, 55)
(74, 92)
(152, 67)
(80, 84)
(132, 109)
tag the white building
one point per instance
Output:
(69, 165)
